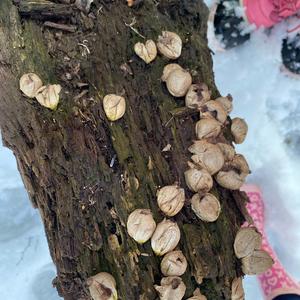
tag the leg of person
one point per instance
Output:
(276, 281)
(290, 53)
(288, 297)
(232, 17)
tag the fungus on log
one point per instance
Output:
(86, 174)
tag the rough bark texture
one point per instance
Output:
(85, 174)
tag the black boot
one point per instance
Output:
(229, 27)
(290, 53)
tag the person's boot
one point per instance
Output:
(231, 18)
(290, 54)
(229, 24)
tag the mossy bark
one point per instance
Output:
(86, 174)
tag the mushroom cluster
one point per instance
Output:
(211, 160)
(47, 95)
(247, 247)
(164, 237)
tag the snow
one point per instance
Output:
(25, 265)
(270, 103)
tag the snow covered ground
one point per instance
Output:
(268, 100)
(26, 270)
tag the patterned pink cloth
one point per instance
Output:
(276, 281)
(269, 12)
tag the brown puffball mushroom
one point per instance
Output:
(206, 208)
(170, 199)
(198, 180)
(239, 129)
(102, 286)
(178, 82)
(239, 163)
(207, 128)
(29, 84)
(207, 156)
(48, 95)
(147, 52)
(256, 263)
(168, 69)
(197, 295)
(169, 44)
(114, 107)
(141, 225)
(171, 288)
(246, 241)
(197, 95)
(173, 264)
(215, 110)
(165, 238)
(233, 174)
(226, 103)
(237, 290)
(227, 150)
(230, 179)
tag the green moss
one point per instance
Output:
(120, 142)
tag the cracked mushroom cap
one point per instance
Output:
(102, 286)
(171, 288)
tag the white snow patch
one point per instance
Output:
(26, 269)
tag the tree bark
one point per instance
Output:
(86, 174)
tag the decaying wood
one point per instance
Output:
(68, 28)
(85, 174)
(43, 9)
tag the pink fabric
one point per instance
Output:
(269, 12)
(276, 281)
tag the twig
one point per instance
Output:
(86, 49)
(180, 113)
(134, 29)
(69, 28)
